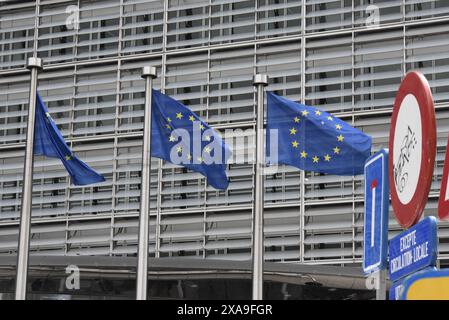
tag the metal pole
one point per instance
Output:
(148, 73)
(260, 81)
(381, 285)
(157, 253)
(34, 65)
(302, 212)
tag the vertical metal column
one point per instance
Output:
(381, 284)
(302, 213)
(260, 81)
(157, 250)
(148, 73)
(34, 65)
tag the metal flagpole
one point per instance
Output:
(260, 81)
(148, 73)
(34, 65)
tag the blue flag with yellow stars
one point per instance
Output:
(49, 142)
(180, 137)
(314, 140)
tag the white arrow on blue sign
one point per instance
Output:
(376, 212)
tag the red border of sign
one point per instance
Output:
(443, 205)
(416, 84)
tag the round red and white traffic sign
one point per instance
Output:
(412, 148)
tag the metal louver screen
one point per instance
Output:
(317, 52)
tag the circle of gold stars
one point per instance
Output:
(170, 125)
(315, 158)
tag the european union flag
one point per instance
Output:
(180, 137)
(313, 140)
(49, 142)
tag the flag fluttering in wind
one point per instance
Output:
(314, 140)
(49, 142)
(180, 137)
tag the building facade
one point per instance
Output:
(345, 57)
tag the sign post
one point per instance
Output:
(411, 162)
(376, 219)
(381, 285)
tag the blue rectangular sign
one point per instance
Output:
(397, 288)
(414, 249)
(375, 236)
